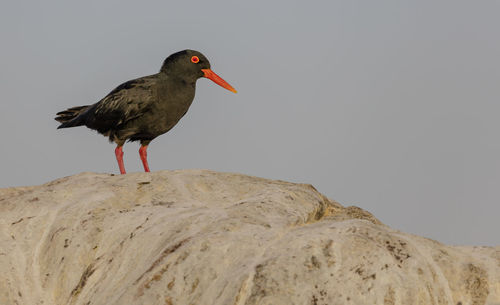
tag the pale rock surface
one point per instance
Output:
(201, 237)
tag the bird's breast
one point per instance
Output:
(173, 103)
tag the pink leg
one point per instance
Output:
(144, 157)
(119, 158)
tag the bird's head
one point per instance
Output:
(191, 65)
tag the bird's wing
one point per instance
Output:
(126, 102)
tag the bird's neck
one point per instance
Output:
(180, 78)
(182, 82)
(176, 88)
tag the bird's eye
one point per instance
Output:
(195, 59)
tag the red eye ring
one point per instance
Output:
(195, 59)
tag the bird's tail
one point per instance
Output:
(71, 117)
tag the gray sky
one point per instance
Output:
(388, 105)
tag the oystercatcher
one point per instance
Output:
(144, 108)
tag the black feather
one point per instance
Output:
(69, 117)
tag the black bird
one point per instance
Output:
(144, 108)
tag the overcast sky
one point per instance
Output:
(392, 106)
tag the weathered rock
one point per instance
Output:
(200, 237)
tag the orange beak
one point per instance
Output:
(217, 79)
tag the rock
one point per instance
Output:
(201, 237)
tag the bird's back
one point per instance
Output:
(123, 104)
